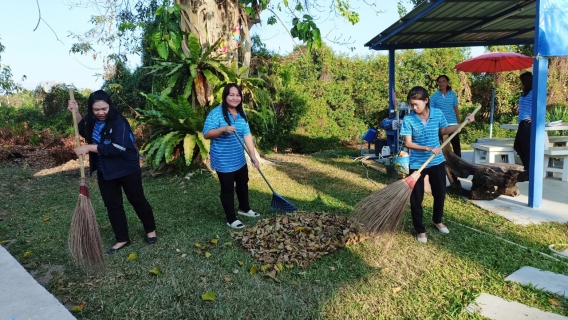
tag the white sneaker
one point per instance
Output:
(422, 240)
(249, 213)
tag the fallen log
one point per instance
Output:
(489, 180)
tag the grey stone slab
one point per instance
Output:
(497, 308)
(541, 279)
(22, 297)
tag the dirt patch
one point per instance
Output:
(48, 152)
(44, 273)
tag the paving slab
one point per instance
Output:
(541, 279)
(22, 297)
(497, 308)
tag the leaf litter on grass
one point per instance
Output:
(297, 240)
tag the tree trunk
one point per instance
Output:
(489, 181)
(211, 20)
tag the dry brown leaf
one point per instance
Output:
(553, 302)
(272, 275)
(396, 290)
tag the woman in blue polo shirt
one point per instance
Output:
(227, 154)
(522, 143)
(421, 129)
(446, 100)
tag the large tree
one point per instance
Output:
(120, 22)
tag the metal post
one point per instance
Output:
(391, 94)
(540, 75)
(492, 110)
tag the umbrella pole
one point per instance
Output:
(492, 109)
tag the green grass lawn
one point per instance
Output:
(390, 278)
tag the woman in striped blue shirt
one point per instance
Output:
(446, 100)
(227, 154)
(421, 129)
(522, 143)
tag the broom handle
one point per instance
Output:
(77, 137)
(448, 140)
(262, 174)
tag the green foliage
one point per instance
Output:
(307, 31)
(7, 84)
(558, 111)
(322, 99)
(124, 87)
(55, 101)
(176, 130)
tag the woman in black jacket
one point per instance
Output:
(113, 155)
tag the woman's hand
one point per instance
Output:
(72, 106)
(255, 162)
(434, 150)
(82, 150)
(229, 129)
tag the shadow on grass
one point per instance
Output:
(436, 280)
(490, 259)
(188, 212)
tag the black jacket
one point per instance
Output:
(117, 155)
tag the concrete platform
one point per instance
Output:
(497, 308)
(554, 201)
(541, 279)
(22, 297)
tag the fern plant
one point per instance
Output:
(176, 130)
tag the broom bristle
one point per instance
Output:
(84, 237)
(382, 210)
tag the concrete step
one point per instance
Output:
(22, 297)
(497, 308)
(541, 279)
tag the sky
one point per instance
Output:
(43, 55)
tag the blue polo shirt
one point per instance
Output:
(424, 133)
(446, 103)
(525, 106)
(227, 154)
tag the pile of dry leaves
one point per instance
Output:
(298, 239)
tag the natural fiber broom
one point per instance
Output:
(84, 237)
(382, 210)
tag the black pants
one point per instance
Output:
(231, 182)
(437, 178)
(456, 144)
(111, 191)
(522, 143)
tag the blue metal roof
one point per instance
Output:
(461, 23)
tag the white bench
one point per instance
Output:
(486, 151)
(558, 141)
(556, 153)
